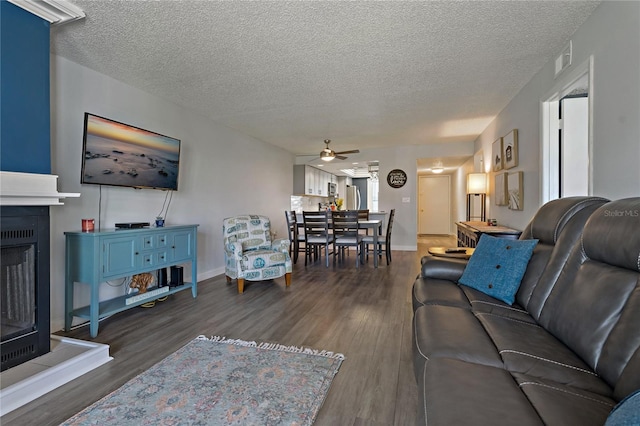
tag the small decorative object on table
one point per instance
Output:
(88, 225)
(159, 222)
(141, 281)
(339, 202)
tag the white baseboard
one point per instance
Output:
(404, 248)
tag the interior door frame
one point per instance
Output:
(449, 221)
(548, 112)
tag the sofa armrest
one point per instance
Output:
(443, 268)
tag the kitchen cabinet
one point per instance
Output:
(309, 180)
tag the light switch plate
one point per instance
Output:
(406, 199)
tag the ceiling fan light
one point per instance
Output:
(326, 156)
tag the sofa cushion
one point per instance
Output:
(559, 404)
(529, 348)
(450, 332)
(483, 303)
(455, 392)
(497, 266)
(433, 291)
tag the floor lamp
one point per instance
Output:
(477, 187)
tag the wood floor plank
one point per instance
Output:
(364, 313)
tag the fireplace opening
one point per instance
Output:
(24, 284)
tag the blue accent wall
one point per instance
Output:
(25, 112)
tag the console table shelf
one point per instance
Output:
(96, 257)
(118, 304)
(469, 232)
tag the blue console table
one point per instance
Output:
(95, 257)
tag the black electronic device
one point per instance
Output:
(132, 225)
(162, 277)
(456, 250)
(177, 276)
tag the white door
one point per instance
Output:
(574, 147)
(434, 205)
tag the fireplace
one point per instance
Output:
(24, 264)
(24, 284)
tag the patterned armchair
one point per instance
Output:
(249, 252)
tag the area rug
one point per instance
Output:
(219, 381)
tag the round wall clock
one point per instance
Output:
(396, 178)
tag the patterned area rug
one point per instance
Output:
(220, 381)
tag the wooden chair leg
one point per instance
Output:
(240, 285)
(287, 279)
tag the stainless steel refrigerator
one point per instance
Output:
(352, 199)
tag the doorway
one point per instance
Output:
(434, 205)
(567, 135)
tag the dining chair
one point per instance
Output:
(364, 215)
(296, 239)
(384, 242)
(345, 234)
(317, 235)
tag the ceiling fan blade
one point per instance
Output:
(353, 151)
(340, 157)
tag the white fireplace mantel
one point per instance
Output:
(31, 189)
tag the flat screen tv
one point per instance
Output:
(118, 154)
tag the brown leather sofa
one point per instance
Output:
(564, 353)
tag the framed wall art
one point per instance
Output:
(396, 178)
(501, 198)
(510, 149)
(514, 189)
(496, 155)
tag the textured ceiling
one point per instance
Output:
(364, 74)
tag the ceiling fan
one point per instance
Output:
(328, 154)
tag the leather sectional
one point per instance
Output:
(565, 353)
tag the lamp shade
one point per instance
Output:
(477, 183)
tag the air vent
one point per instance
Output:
(18, 353)
(563, 61)
(17, 234)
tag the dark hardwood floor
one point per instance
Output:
(364, 313)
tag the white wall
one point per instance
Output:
(405, 225)
(222, 172)
(612, 36)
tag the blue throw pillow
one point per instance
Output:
(497, 266)
(627, 412)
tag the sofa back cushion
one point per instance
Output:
(594, 307)
(557, 226)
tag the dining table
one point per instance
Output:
(375, 224)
